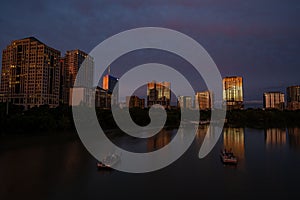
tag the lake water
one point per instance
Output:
(49, 167)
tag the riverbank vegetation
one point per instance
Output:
(44, 119)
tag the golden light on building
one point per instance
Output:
(159, 93)
(109, 83)
(293, 97)
(73, 60)
(30, 74)
(185, 102)
(135, 102)
(204, 100)
(294, 137)
(105, 82)
(233, 92)
(273, 100)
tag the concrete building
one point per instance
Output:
(159, 93)
(72, 62)
(135, 102)
(109, 83)
(233, 92)
(273, 100)
(185, 102)
(30, 74)
(293, 97)
(204, 100)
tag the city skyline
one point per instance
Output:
(250, 39)
(21, 55)
(111, 99)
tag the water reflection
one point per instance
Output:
(294, 137)
(275, 137)
(233, 138)
(159, 140)
(201, 133)
(50, 164)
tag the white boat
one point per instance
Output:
(109, 161)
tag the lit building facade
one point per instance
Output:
(81, 96)
(30, 74)
(158, 141)
(102, 98)
(185, 102)
(73, 60)
(273, 100)
(293, 97)
(109, 83)
(135, 102)
(159, 93)
(233, 92)
(204, 100)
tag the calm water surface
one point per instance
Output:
(42, 168)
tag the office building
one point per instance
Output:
(159, 93)
(72, 62)
(293, 97)
(185, 102)
(30, 74)
(109, 83)
(273, 100)
(135, 102)
(204, 100)
(275, 136)
(233, 92)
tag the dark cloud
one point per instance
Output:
(259, 40)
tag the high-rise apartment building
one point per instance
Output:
(293, 97)
(159, 93)
(102, 98)
(185, 102)
(204, 100)
(273, 100)
(30, 74)
(109, 83)
(233, 92)
(72, 62)
(135, 102)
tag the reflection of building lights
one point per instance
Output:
(184, 102)
(28, 56)
(233, 138)
(158, 141)
(294, 137)
(293, 97)
(204, 100)
(275, 136)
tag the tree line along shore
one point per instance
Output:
(45, 120)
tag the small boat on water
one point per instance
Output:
(227, 157)
(109, 161)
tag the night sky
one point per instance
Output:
(258, 39)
